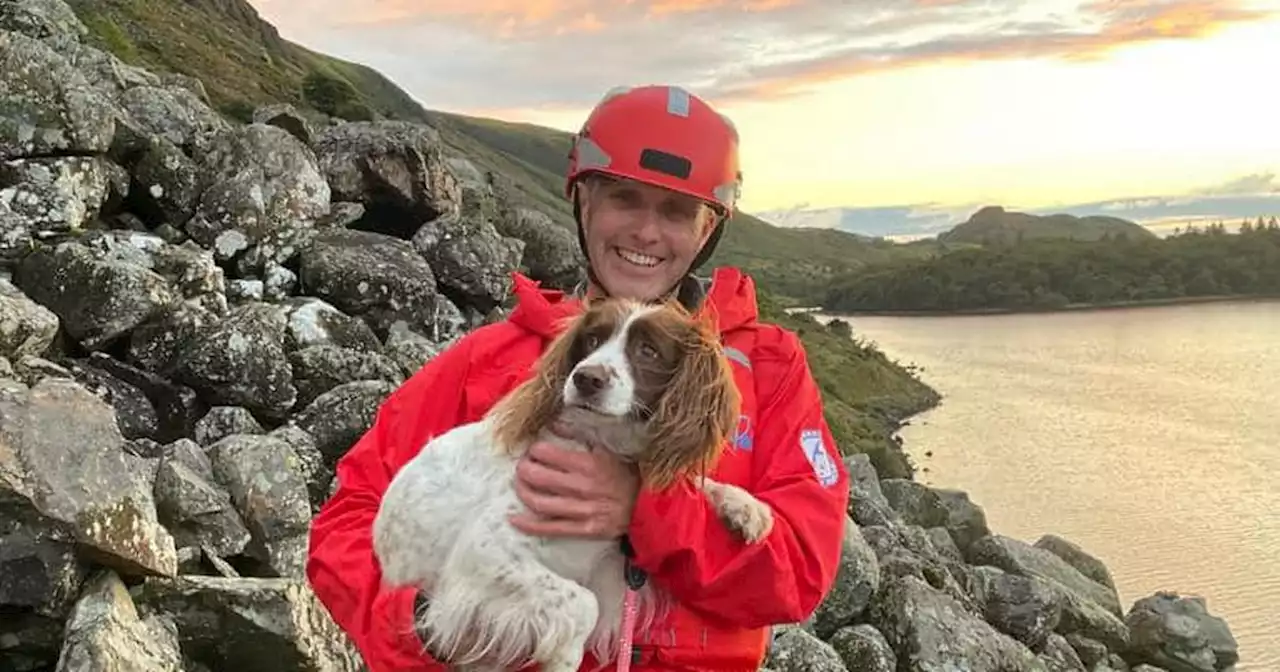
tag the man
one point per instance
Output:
(653, 177)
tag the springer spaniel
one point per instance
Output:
(648, 382)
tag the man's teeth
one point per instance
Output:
(637, 258)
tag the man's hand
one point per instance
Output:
(575, 493)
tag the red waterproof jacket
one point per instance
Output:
(729, 593)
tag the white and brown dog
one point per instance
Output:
(648, 382)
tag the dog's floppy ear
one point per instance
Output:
(522, 414)
(697, 412)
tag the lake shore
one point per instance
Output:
(1086, 401)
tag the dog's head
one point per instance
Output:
(623, 364)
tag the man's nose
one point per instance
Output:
(648, 224)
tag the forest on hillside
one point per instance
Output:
(1207, 261)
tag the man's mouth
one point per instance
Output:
(637, 258)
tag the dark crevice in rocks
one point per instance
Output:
(383, 215)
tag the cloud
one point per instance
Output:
(493, 54)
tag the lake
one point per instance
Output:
(1149, 436)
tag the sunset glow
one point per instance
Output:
(921, 103)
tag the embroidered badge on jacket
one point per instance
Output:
(742, 435)
(815, 451)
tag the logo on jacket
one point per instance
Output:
(815, 450)
(742, 435)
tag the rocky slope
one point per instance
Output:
(198, 317)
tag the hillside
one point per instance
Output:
(243, 63)
(995, 225)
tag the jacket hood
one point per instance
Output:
(731, 296)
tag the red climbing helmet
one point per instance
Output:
(661, 135)
(664, 136)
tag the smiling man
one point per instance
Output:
(653, 178)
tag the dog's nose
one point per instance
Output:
(590, 379)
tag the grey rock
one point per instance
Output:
(38, 571)
(168, 183)
(64, 470)
(193, 506)
(379, 278)
(470, 258)
(932, 632)
(100, 293)
(1018, 557)
(395, 167)
(173, 113)
(259, 180)
(251, 624)
(57, 194)
(27, 329)
(1179, 634)
(320, 368)
(409, 349)
(337, 418)
(105, 632)
(856, 583)
(315, 322)
(916, 503)
(135, 415)
(1077, 557)
(50, 107)
(223, 421)
(795, 650)
(1025, 608)
(41, 19)
(263, 474)
(1058, 655)
(862, 648)
(241, 361)
(551, 252)
(30, 642)
(966, 521)
(285, 116)
(867, 503)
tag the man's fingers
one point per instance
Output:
(553, 527)
(538, 476)
(551, 505)
(560, 459)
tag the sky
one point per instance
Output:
(889, 117)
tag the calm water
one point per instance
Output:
(1149, 436)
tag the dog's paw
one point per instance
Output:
(749, 517)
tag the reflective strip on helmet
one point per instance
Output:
(677, 101)
(729, 193)
(591, 155)
(614, 93)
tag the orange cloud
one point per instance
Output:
(1124, 23)
(509, 18)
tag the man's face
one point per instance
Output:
(642, 238)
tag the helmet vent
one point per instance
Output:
(664, 162)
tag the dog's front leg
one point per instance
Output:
(740, 510)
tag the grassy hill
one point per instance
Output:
(993, 225)
(243, 63)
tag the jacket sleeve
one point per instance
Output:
(679, 540)
(341, 566)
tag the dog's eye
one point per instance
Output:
(593, 341)
(648, 351)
